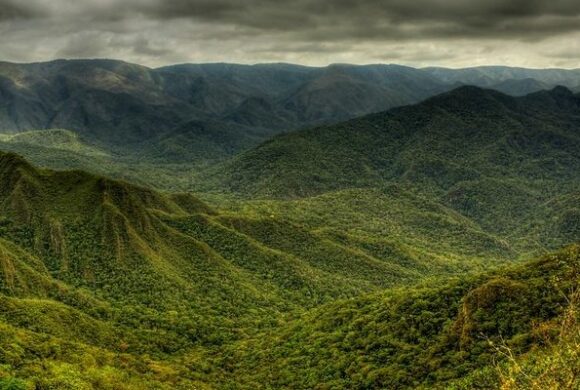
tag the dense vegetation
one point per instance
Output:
(186, 116)
(424, 337)
(505, 168)
(382, 252)
(217, 109)
(103, 283)
(459, 138)
(431, 337)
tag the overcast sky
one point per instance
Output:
(454, 33)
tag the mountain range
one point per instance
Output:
(213, 111)
(509, 165)
(276, 226)
(108, 285)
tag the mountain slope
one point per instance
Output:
(505, 164)
(172, 114)
(437, 335)
(164, 292)
(426, 337)
(108, 285)
(135, 248)
(453, 137)
(113, 101)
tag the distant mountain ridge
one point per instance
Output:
(494, 76)
(225, 108)
(112, 100)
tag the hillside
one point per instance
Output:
(113, 101)
(155, 252)
(90, 231)
(505, 163)
(394, 250)
(448, 330)
(172, 116)
(448, 336)
(466, 134)
(126, 240)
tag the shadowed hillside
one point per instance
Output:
(114, 102)
(464, 135)
(199, 114)
(507, 164)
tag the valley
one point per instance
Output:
(276, 226)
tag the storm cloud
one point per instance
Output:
(532, 33)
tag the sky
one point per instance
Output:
(451, 33)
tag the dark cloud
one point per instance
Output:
(161, 31)
(302, 48)
(14, 10)
(336, 18)
(381, 19)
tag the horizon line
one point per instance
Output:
(283, 63)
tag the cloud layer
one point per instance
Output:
(534, 33)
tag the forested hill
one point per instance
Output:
(202, 113)
(427, 246)
(114, 102)
(464, 136)
(513, 329)
(132, 248)
(507, 165)
(108, 285)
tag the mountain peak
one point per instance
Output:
(469, 97)
(557, 98)
(560, 90)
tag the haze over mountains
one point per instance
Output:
(215, 110)
(349, 226)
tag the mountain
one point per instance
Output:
(80, 307)
(494, 76)
(105, 100)
(113, 101)
(109, 285)
(345, 91)
(104, 234)
(173, 115)
(132, 248)
(101, 267)
(123, 240)
(392, 250)
(436, 337)
(466, 134)
(505, 163)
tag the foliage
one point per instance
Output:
(368, 254)
(555, 367)
(412, 337)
